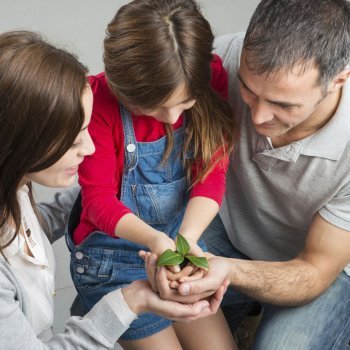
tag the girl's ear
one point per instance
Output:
(339, 81)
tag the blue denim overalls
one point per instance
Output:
(155, 192)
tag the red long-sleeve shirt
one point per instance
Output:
(100, 174)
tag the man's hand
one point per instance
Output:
(218, 272)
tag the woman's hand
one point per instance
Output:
(141, 298)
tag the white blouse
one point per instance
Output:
(36, 272)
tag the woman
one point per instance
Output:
(45, 109)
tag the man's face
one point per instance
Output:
(280, 103)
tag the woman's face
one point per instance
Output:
(62, 173)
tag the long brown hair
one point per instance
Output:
(150, 48)
(41, 114)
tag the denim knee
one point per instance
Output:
(322, 324)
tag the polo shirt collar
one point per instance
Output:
(288, 153)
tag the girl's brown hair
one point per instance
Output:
(150, 48)
(41, 114)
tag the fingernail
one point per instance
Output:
(177, 269)
(185, 289)
(204, 306)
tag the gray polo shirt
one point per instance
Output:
(273, 194)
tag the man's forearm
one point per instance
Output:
(291, 283)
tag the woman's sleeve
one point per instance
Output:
(99, 329)
(56, 212)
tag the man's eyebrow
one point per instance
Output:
(243, 83)
(282, 104)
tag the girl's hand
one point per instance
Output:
(159, 243)
(194, 248)
(190, 271)
(158, 279)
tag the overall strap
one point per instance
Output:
(130, 144)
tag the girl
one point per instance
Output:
(45, 108)
(163, 133)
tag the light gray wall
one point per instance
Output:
(79, 25)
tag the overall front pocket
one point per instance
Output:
(160, 203)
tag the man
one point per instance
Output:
(285, 220)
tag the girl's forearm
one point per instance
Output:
(200, 211)
(134, 229)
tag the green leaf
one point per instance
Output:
(182, 245)
(199, 261)
(170, 258)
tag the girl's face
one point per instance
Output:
(170, 111)
(62, 173)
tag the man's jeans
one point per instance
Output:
(323, 324)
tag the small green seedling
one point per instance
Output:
(169, 257)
